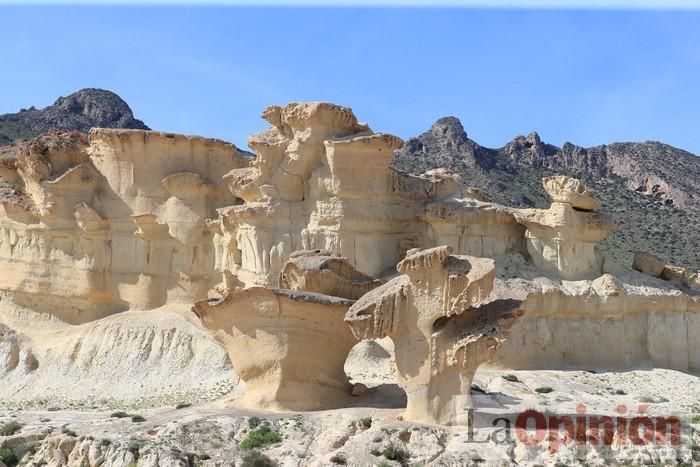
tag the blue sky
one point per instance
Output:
(580, 75)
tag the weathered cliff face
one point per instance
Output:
(614, 322)
(321, 180)
(112, 222)
(285, 254)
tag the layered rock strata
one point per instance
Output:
(112, 222)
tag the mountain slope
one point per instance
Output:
(649, 187)
(80, 111)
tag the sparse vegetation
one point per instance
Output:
(134, 446)
(396, 452)
(8, 457)
(339, 459)
(511, 378)
(257, 459)
(260, 437)
(120, 414)
(183, 405)
(10, 428)
(69, 432)
(137, 418)
(544, 390)
(254, 422)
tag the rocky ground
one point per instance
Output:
(369, 432)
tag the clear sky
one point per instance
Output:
(579, 75)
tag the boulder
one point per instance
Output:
(648, 263)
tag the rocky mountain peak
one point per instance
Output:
(449, 128)
(79, 111)
(651, 187)
(530, 149)
(448, 141)
(100, 107)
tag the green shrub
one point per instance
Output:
(137, 419)
(544, 390)
(366, 422)
(260, 437)
(134, 446)
(396, 452)
(119, 414)
(69, 432)
(257, 459)
(8, 457)
(511, 378)
(105, 442)
(183, 405)
(10, 428)
(254, 422)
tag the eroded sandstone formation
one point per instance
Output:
(563, 238)
(327, 273)
(288, 346)
(322, 180)
(275, 250)
(442, 325)
(110, 222)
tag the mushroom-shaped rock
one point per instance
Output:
(288, 346)
(563, 238)
(563, 189)
(442, 325)
(325, 272)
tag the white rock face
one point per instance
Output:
(138, 358)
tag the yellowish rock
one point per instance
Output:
(442, 325)
(289, 347)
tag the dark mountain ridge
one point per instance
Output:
(79, 111)
(650, 187)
